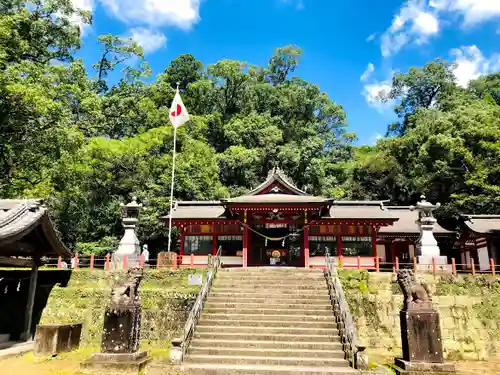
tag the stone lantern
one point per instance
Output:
(427, 247)
(129, 244)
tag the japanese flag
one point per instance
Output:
(178, 113)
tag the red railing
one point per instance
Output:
(372, 264)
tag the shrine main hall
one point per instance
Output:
(278, 224)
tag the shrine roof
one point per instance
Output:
(197, 210)
(276, 175)
(407, 222)
(370, 210)
(277, 198)
(484, 224)
(26, 230)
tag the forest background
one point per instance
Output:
(88, 144)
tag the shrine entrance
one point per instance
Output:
(275, 244)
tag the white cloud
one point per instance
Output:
(376, 92)
(367, 73)
(86, 5)
(374, 138)
(414, 23)
(471, 64)
(419, 20)
(371, 37)
(149, 40)
(179, 13)
(472, 11)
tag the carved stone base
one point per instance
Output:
(122, 363)
(421, 334)
(417, 368)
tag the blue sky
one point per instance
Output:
(351, 47)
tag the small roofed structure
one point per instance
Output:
(479, 240)
(27, 237)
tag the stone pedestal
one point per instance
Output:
(122, 325)
(424, 264)
(422, 368)
(51, 339)
(124, 363)
(421, 335)
(421, 341)
(121, 330)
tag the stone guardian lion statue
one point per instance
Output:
(415, 293)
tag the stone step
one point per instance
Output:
(262, 344)
(259, 317)
(270, 295)
(268, 330)
(267, 337)
(265, 295)
(267, 311)
(260, 300)
(267, 269)
(245, 369)
(280, 306)
(267, 352)
(261, 360)
(270, 288)
(204, 321)
(271, 277)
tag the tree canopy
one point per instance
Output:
(88, 144)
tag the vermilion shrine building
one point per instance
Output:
(278, 224)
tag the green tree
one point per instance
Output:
(184, 70)
(419, 88)
(39, 31)
(116, 51)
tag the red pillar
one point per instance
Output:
(214, 245)
(245, 241)
(183, 237)
(245, 247)
(306, 245)
(374, 241)
(339, 244)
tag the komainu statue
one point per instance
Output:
(127, 293)
(416, 294)
(122, 320)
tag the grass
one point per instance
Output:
(69, 364)
(64, 363)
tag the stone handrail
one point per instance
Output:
(180, 345)
(353, 347)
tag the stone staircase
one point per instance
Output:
(267, 321)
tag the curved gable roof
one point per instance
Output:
(407, 223)
(28, 220)
(483, 224)
(276, 175)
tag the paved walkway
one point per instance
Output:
(15, 348)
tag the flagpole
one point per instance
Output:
(172, 184)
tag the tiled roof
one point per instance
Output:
(277, 198)
(277, 175)
(407, 222)
(485, 224)
(19, 218)
(197, 210)
(358, 210)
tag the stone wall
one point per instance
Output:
(469, 309)
(166, 301)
